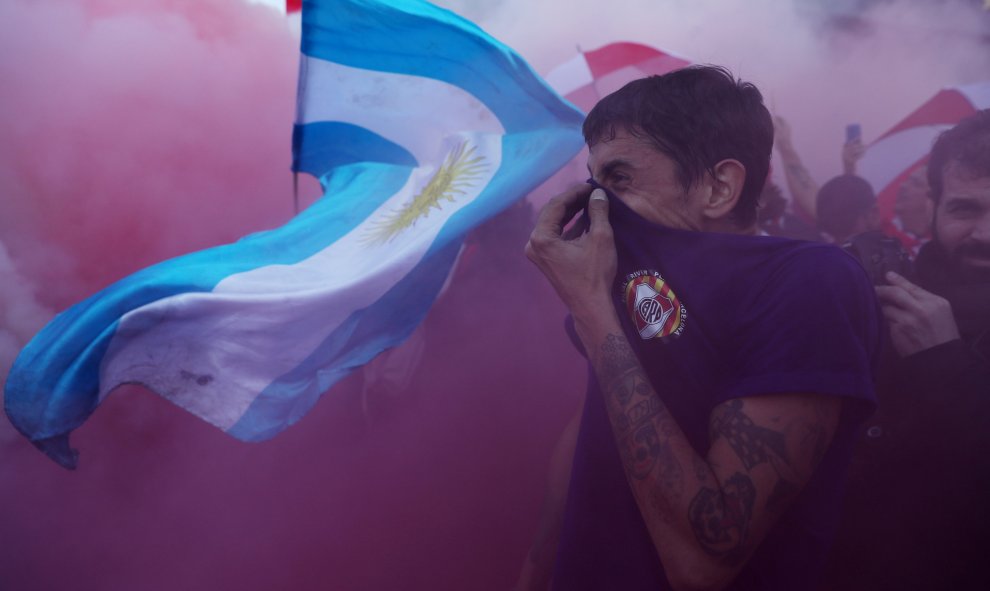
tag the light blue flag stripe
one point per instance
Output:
(155, 319)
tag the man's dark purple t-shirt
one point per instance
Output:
(713, 317)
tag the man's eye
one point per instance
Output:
(963, 209)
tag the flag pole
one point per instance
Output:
(295, 192)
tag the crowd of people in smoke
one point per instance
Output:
(915, 515)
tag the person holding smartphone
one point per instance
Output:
(916, 514)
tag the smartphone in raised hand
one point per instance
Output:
(853, 132)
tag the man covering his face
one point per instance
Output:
(729, 371)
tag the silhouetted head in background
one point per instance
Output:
(846, 206)
(914, 207)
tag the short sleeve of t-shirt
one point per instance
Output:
(811, 327)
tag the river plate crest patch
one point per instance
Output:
(652, 305)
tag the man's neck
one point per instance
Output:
(729, 226)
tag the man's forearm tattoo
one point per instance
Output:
(720, 519)
(624, 382)
(641, 421)
(669, 488)
(645, 448)
(617, 359)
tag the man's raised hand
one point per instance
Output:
(579, 263)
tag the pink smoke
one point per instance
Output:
(137, 130)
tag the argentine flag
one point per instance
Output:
(419, 126)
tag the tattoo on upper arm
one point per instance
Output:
(753, 444)
(720, 519)
(756, 445)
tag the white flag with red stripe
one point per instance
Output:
(904, 148)
(590, 75)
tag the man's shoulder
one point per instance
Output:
(797, 266)
(805, 253)
(808, 289)
(780, 248)
(813, 326)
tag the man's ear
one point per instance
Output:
(726, 187)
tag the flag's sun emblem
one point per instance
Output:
(652, 306)
(460, 171)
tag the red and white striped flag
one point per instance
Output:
(904, 148)
(590, 75)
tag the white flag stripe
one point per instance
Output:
(616, 79)
(570, 75)
(415, 112)
(263, 323)
(890, 156)
(977, 94)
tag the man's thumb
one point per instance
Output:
(598, 207)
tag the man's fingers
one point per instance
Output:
(584, 223)
(895, 295)
(559, 210)
(895, 315)
(912, 289)
(579, 227)
(574, 200)
(552, 219)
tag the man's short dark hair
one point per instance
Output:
(841, 202)
(696, 116)
(968, 143)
